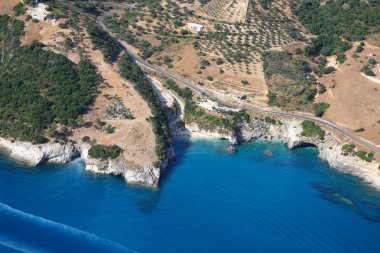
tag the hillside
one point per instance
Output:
(38, 87)
(61, 83)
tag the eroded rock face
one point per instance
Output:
(289, 131)
(194, 129)
(147, 175)
(330, 148)
(35, 154)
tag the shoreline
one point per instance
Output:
(288, 133)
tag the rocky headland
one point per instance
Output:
(37, 154)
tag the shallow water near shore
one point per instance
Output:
(209, 201)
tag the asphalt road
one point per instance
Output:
(198, 90)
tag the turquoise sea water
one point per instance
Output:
(209, 201)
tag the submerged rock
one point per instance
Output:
(268, 152)
(231, 149)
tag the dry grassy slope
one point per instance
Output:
(135, 137)
(6, 6)
(355, 101)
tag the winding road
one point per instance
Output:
(200, 91)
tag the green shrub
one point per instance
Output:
(86, 139)
(19, 9)
(328, 70)
(367, 71)
(322, 89)
(368, 157)
(110, 129)
(320, 109)
(310, 129)
(205, 63)
(372, 61)
(219, 61)
(103, 152)
(359, 49)
(270, 120)
(341, 58)
(348, 149)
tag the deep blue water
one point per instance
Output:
(209, 201)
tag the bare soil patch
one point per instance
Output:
(6, 6)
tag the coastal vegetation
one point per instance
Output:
(19, 9)
(270, 120)
(310, 129)
(366, 70)
(104, 42)
(204, 120)
(350, 149)
(320, 108)
(39, 88)
(351, 19)
(104, 152)
(290, 81)
(132, 72)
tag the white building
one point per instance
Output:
(195, 27)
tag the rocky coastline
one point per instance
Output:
(289, 132)
(37, 154)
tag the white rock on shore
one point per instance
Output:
(36, 154)
(330, 149)
(147, 175)
(288, 131)
(193, 130)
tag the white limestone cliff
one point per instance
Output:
(289, 132)
(330, 148)
(36, 154)
(147, 175)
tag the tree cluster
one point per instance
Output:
(39, 87)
